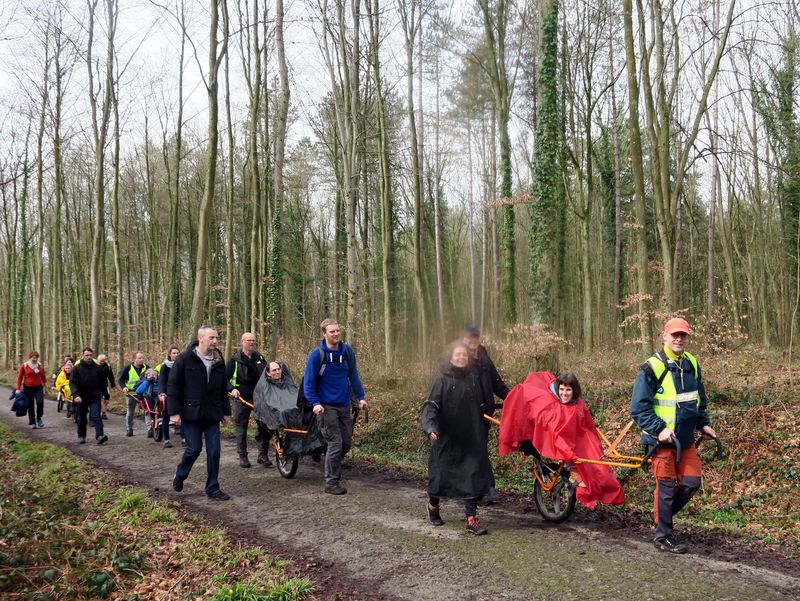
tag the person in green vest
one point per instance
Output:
(242, 371)
(128, 378)
(669, 403)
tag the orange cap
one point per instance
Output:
(677, 324)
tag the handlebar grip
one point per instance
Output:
(646, 458)
(366, 415)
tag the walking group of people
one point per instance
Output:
(196, 386)
(668, 403)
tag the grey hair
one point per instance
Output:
(202, 330)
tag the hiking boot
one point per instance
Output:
(474, 526)
(434, 517)
(39, 423)
(183, 443)
(81, 440)
(33, 426)
(219, 495)
(103, 415)
(244, 461)
(102, 439)
(264, 460)
(177, 483)
(670, 545)
(150, 433)
(167, 444)
(335, 489)
(129, 433)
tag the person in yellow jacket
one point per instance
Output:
(62, 381)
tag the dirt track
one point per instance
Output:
(375, 543)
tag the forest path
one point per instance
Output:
(375, 542)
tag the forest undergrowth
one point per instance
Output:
(71, 531)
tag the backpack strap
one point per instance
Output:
(647, 368)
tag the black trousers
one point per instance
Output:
(35, 393)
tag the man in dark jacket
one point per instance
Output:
(491, 385)
(197, 397)
(668, 403)
(243, 370)
(86, 382)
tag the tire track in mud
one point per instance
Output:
(375, 544)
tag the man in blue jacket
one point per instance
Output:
(331, 373)
(669, 402)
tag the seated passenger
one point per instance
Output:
(62, 381)
(549, 414)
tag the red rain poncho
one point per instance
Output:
(532, 411)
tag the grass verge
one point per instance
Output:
(71, 531)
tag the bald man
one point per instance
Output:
(243, 370)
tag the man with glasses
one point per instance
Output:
(243, 370)
(669, 403)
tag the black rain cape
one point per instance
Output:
(275, 405)
(458, 466)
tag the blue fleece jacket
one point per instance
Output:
(333, 386)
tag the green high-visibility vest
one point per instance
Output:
(666, 398)
(133, 377)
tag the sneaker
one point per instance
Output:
(150, 433)
(219, 495)
(129, 433)
(40, 423)
(103, 415)
(492, 498)
(177, 483)
(81, 440)
(670, 545)
(167, 444)
(244, 461)
(335, 489)
(264, 460)
(434, 517)
(102, 439)
(474, 526)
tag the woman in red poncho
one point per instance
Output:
(548, 413)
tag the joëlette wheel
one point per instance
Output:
(158, 434)
(287, 467)
(557, 504)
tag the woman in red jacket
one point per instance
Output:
(31, 380)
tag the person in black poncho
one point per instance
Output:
(458, 467)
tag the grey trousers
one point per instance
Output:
(671, 499)
(130, 411)
(336, 426)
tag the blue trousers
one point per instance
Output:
(195, 432)
(92, 408)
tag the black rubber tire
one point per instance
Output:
(557, 505)
(287, 467)
(158, 435)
